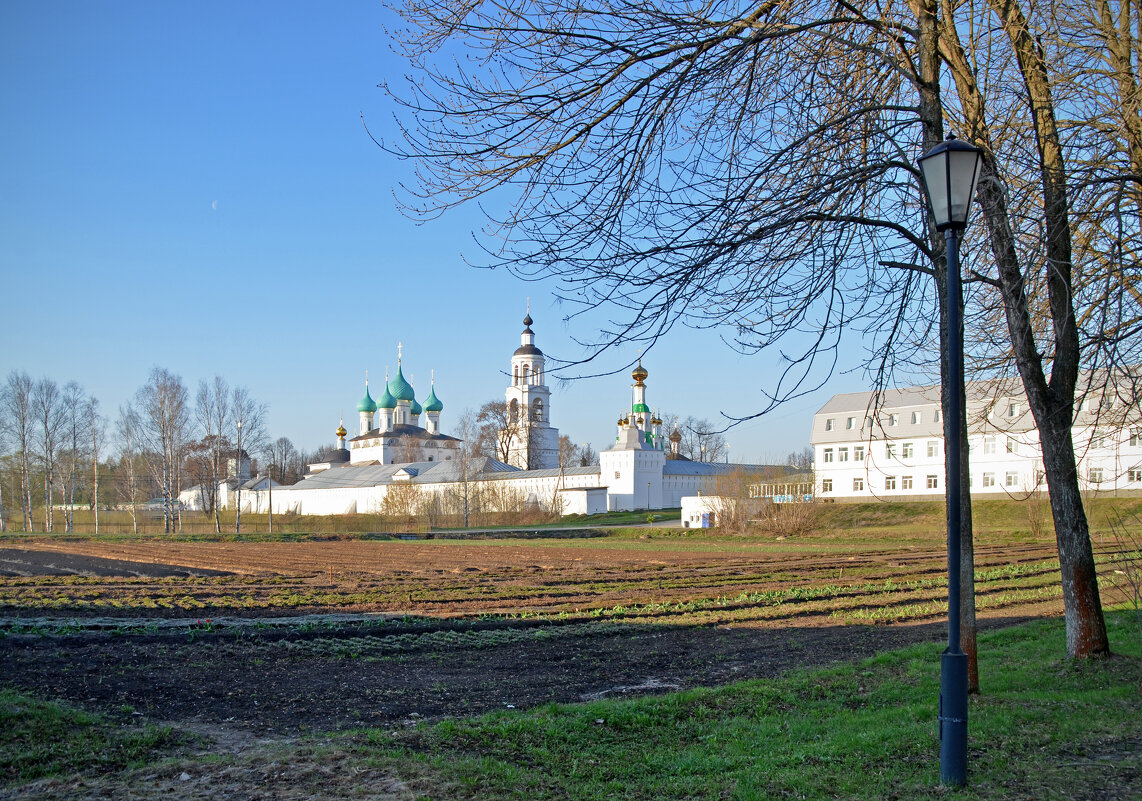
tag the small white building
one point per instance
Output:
(894, 449)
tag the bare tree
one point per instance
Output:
(47, 405)
(212, 412)
(128, 433)
(587, 455)
(282, 456)
(498, 428)
(165, 415)
(249, 417)
(16, 419)
(75, 435)
(702, 441)
(754, 168)
(96, 429)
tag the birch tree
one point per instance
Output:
(96, 429)
(16, 418)
(47, 405)
(164, 411)
(213, 412)
(75, 436)
(128, 427)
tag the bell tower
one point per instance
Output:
(534, 442)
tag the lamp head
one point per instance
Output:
(950, 172)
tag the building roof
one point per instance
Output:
(373, 474)
(367, 403)
(432, 403)
(679, 467)
(400, 388)
(406, 431)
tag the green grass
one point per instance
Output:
(1045, 728)
(42, 738)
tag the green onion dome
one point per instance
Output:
(367, 403)
(416, 409)
(432, 403)
(400, 389)
(386, 401)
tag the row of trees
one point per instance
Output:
(59, 451)
(751, 165)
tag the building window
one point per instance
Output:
(988, 445)
(890, 482)
(989, 479)
(868, 423)
(936, 417)
(1095, 475)
(616, 474)
(1011, 479)
(893, 419)
(828, 424)
(828, 454)
(1136, 474)
(1135, 437)
(890, 450)
(826, 485)
(1013, 409)
(915, 418)
(933, 449)
(933, 482)
(858, 453)
(842, 454)
(858, 484)
(1098, 440)
(850, 424)
(1012, 446)
(906, 450)
(906, 482)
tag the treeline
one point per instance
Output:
(60, 451)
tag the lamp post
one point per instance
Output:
(238, 473)
(950, 171)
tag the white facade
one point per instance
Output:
(636, 472)
(534, 441)
(899, 450)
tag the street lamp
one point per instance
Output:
(950, 172)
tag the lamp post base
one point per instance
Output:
(953, 719)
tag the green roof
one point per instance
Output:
(416, 408)
(401, 389)
(432, 403)
(641, 407)
(386, 401)
(367, 404)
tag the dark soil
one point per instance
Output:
(289, 683)
(21, 562)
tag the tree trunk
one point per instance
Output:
(1086, 626)
(1051, 403)
(931, 117)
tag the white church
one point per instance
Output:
(641, 470)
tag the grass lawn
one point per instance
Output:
(1045, 728)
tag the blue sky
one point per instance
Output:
(190, 186)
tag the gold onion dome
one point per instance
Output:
(675, 436)
(340, 432)
(639, 374)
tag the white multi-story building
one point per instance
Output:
(895, 448)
